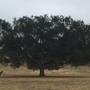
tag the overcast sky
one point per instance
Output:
(77, 9)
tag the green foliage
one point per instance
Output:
(45, 41)
(40, 37)
(76, 58)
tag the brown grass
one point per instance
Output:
(63, 79)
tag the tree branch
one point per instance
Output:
(33, 59)
(45, 62)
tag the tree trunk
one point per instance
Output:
(42, 71)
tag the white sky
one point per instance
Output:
(77, 9)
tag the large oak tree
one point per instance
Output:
(43, 42)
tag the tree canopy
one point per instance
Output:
(44, 42)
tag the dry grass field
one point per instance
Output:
(63, 79)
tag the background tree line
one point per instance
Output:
(43, 42)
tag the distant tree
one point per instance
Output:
(5, 40)
(76, 58)
(87, 57)
(10, 52)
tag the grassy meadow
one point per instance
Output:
(66, 78)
